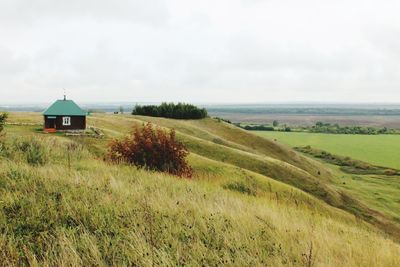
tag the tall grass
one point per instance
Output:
(92, 213)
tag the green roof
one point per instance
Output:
(64, 107)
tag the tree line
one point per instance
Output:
(262, 127)
(321, 127)
(171, 110)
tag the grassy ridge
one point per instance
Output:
(92, 213)
(223, 142)
(226, 143)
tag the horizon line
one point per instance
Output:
(207, 103)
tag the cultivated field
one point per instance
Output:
(378, 116)
(380, 150)
(310, 120)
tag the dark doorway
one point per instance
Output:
(51, 123)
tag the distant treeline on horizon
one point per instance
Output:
(305, 111)
(221, 109)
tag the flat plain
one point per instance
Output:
(382, 150)
(309, 120)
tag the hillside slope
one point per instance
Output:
(224, 142)
(84, 211)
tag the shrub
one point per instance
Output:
(244, 188)
(222, 119)
(3, 149)
(3, 118)
(31, 149)
(171, 110)
(36, 154)
(391, 172)
(22, 145)
(152, 148)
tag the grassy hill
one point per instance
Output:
(229, 144)
(251, 202)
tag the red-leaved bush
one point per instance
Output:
(152, 148)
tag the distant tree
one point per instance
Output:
(275, 123)
(121, 109)
(171, 110)
(3, 118)
(383, 130)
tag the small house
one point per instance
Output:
(64, 115)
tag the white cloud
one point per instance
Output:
(200, 51)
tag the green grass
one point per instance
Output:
(116, 215)
(232, 213)
(381, 193)
(226, 143)
(382, 150)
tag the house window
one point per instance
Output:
(66, 121)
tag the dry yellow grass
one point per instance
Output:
(98, 214)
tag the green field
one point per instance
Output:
(382, 150)
(378, 192)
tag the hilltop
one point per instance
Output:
(251, 201)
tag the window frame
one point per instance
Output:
(66, 121)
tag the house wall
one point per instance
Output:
(77, 123)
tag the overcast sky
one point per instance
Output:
(200, 51)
